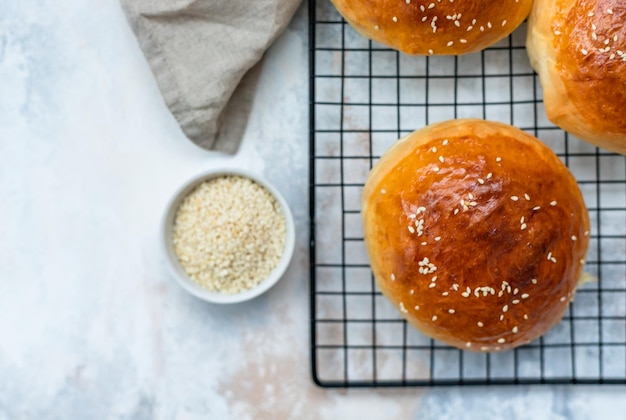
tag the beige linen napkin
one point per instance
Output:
(199, 52)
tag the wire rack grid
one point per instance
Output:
(364, 97)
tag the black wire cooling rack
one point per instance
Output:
(364, 97)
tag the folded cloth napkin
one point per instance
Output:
(199, 52)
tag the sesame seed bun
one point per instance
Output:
(476, 232)
(578, 48)
(437, 27)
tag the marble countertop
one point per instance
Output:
(92, 324)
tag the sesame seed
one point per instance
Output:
(501, 340)
(583, 262)
(583, 51)
(445, 142)
(609, 11)
(574, 237)
(480, 324)
(463, 41)
(450, 43)
(523, 227)
(412, 291)
(436, 169)
(514, 198)
(515, 291)
(536, 208)
(411, 229)
(534, 281)
(553, 260)
(431, 285)
(417, 307)
(468, 344)
(434, 318)
(470, 196)
(505, 308)
(590, 14)
(498, 159)
(395, 19)
(586, 233)
(434, 279)
(376, 27)
(437, 239)
(383, 191)
(465, 294)
(451, 311)
(549, 255)
(424, 243)
(456, 211)
(525, 316)
(502, 317)
(553, 203)
(500, 293)
(557, 32)
(563, 299)
(445, 294)
(431, 52)
(515, 302)
(481, 181)
(489, 175)
(514, 330)
(393, 277)
(484, 348)
(527, 197)
(503, 22)
(526, 295)
(441, 159)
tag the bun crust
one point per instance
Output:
(578, 47)
(476, 232)
(437, 27)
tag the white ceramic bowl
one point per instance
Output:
(172, 259)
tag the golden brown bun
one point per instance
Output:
(437, 27)
(503, 233)
(583, 79)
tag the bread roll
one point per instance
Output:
(578, 47)
(435, 27)
(476, 232)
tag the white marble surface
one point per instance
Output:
(92, 326)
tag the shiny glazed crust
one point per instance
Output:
(476, 232)
(578, 47)
(438, 27)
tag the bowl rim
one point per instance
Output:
(176, 269)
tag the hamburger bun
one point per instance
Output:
(476, 232)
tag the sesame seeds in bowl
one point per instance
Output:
(228, 235)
